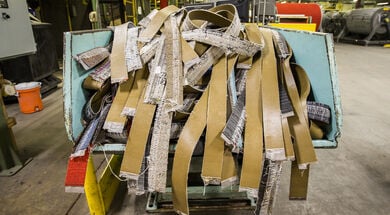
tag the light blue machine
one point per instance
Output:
(313, 51)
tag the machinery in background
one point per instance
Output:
(35, 67)
(299, 13)
(27, 51)
(333, 22)
(263, 11)
(367, 26)
(241, 5)
(15, 30)
(16, 40)
(287, 15)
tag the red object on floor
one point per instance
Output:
(77, 170)
(307, 9)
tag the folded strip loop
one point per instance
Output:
(303, 146)
(156, 22)
(228, 43)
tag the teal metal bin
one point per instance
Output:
(313, 51)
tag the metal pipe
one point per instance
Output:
(264, 6)
(68, 14)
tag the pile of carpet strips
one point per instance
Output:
(180, 81)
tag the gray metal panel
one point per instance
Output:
(16, 35)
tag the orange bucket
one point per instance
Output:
(29, 97)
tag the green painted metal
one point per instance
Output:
(96, 8)
(315, 53)
(228, 198)
(10, 162)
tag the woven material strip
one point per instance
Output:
(282, 53)
(272, 122)
(188, 139)
(173, 98)
(135, 93)
(147, 19)
(232, 133)
(93, 57)
(213, 53)
(189, 56)
(303, 86)
(157, 75)
(228, 43)
(273, 172)
(216, 119)
(200, 67)
(159, 147)
(253, 148)
(244, 62)
(138, 138)
(102, 72)
(303, 146)
(148, 51)
(115, 122)
(174, 85)
(285, 103)
(199, 18)
(188, 102)
(133, 58)
(213, 158)
(118, 61)
(241, 80)
(262, 188)
(318, 111)
(300, 172)
(155, 24)
(176, 130)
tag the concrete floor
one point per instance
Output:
(352, 179)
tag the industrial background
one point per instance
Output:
(101, 107)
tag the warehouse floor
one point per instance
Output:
(352, 179)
